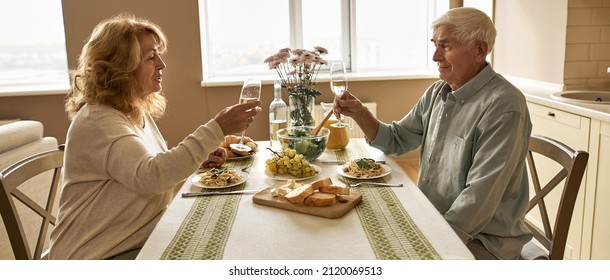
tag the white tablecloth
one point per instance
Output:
(262, 232)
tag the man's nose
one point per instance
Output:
(438, 54)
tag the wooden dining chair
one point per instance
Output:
(11, 179)
(573, 165)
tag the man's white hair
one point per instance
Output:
(469, 26)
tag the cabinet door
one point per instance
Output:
(572, 130)
(600, 241)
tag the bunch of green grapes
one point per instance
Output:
(289, 162)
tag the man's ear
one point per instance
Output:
(482, 48)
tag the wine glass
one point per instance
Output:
(250, 91)
(338, 84)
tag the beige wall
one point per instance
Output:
(531, 39)
(189, 104)
(565, 42)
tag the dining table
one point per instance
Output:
(389, 223)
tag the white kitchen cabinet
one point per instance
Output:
(596, 241)
(572, 130)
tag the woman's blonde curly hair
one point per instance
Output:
(107, 65)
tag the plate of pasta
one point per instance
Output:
(218, 178)
(363, 169)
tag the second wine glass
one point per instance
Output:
(250, 91)
(338, 83)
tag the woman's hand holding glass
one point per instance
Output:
(250, 91)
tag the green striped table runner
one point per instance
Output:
(390, 230)
(204, 232)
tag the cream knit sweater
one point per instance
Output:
(118, 180)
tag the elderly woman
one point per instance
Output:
(119, 174)
(473, 127)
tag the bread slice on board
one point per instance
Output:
(320, 199)
(334, 189)
(299, 194)
(322, 182)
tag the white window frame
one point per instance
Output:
(348, 20)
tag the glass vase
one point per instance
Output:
(301, 109)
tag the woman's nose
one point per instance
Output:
(161, 63)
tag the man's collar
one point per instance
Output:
(475, 84)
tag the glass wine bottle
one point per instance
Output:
(278, 115)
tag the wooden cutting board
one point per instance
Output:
(334, 211)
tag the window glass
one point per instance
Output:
(239, 34)
(322, 26)
(391, 35)
(32, 47)
(369, 35)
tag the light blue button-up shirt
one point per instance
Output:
(472, 162)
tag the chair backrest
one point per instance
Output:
(574, 164)
(11, 179)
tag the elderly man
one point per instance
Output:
(473, 127)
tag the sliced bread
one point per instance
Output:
(334, 189)
(322, 182)
(319, 199)
(299, 194)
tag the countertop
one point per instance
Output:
(540, 93)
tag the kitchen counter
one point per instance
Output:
(540, 93)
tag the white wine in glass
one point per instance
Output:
(250, 91)
(338, 83)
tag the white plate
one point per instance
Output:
(290, 177)
(387, 169)
(240, 157)
(196, 178)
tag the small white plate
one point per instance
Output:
(196, 178)
(387, 171)
(286, 177)
(240, 157)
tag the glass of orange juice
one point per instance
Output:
(338, 138)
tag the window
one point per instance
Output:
(33, 55)
(373, 37)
